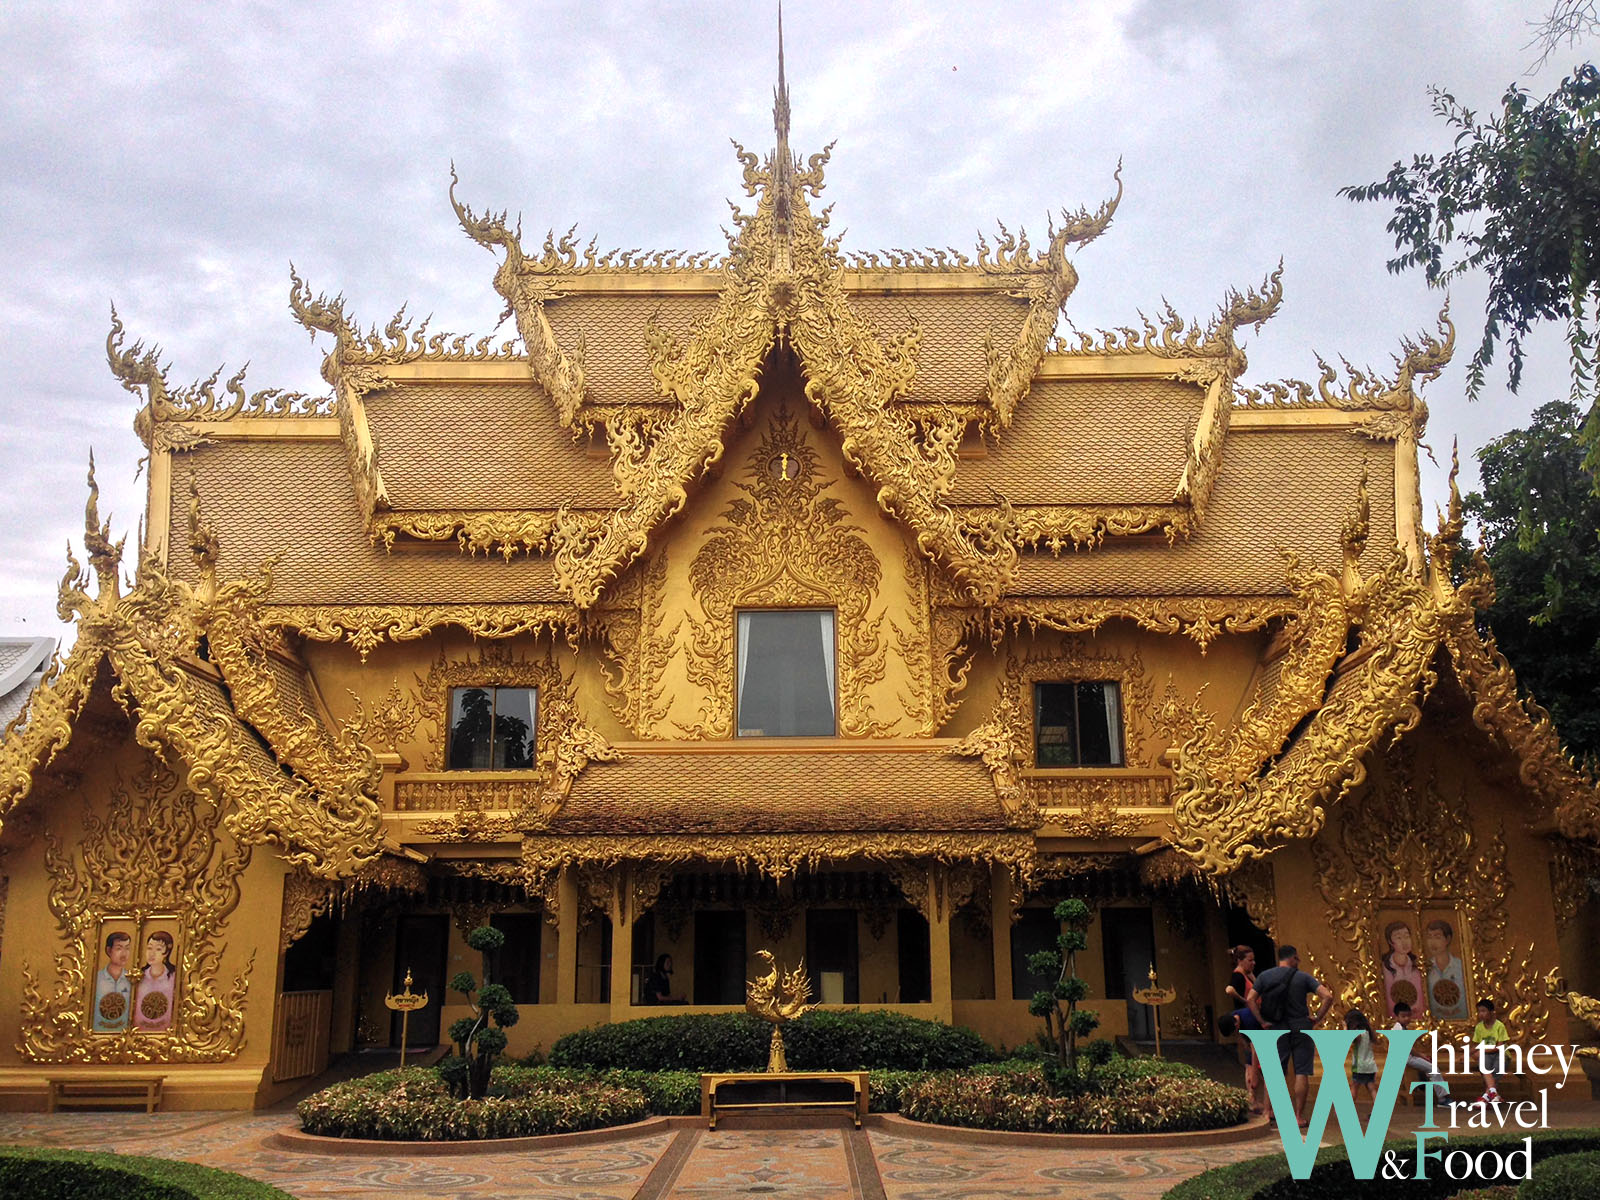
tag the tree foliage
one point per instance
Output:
(1538, 520)
(480, 1038)
(1064, 1021)
(1517, 197)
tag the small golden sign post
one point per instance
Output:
(405, 1004)
(1155, 997)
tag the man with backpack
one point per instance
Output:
(1280, 1000)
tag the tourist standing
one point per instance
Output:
(1280, 999)
(1364, 1068)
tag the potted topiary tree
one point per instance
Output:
(1064, 1021)
(480, 1038)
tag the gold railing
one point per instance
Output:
(1099, 788)
(468, 791)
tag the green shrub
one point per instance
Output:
(818, 1041)
(666, 1093)
(1570, 1177)
(416, 1104)
(1267, 1177)
(1125, 1096)
(35, 1173)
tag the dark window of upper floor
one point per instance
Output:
(492, 728)
(786, 676)
(1077, 724)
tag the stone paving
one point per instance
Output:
(681, 1163)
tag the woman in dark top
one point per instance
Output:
(658, 984)
(1239, 985)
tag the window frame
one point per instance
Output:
(494, 716)
(779, 608)
(1120, 755)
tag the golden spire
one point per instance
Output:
(782, 161)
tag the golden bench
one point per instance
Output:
(783, 1089)
(105, 1091)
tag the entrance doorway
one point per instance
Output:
(420, 944)
(719, 957)
(1130, 948)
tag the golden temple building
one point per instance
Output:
(789, 599)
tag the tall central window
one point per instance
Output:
(786, 673)
(492, 728)
(1077, 724)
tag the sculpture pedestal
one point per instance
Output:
(753, 1090)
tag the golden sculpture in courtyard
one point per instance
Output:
(779, 996)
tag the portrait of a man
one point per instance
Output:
(113, 990)
(1447, 986)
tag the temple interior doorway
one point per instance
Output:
(421, 940)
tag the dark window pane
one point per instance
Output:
(1099, 725)
(786, 674)
(471, 722)
(517, 962)
(916, 960)
(1035, 930)
(719, 966)
(516, 718)
(1055, 730)
(832, 955)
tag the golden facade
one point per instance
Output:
(1307, 738)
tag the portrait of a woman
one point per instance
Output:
(1402, 970)
(155, 997)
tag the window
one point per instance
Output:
(492, 728)
(1077, 724)
(516, 964)
(786, 673)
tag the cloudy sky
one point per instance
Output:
(175, 159)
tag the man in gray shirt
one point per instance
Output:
(1289, 989)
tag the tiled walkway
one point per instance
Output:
(682, 1164)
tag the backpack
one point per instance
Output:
(1274, 1001)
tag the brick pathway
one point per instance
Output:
(677, 1164)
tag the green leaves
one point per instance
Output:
(1517, 197)
(463, 981)
(486, 938)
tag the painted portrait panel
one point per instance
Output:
(1399, 953)
(155, 996)
(1444, 961)
(111, 1002)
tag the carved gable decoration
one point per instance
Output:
(785, 542)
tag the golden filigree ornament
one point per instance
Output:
(159, 850)
(779, 996)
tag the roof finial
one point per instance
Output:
(780, 95)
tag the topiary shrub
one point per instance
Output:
(818, 1041)
(480, 1038)
(36, 1173)
(1064, 1021)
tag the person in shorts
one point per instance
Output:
(1290, 989)
(1364, 1069)
(1489, 1034)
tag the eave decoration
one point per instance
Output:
(1238, 802)
(316, 805)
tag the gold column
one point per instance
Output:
(567, 937)
(939, 947)
(621, 950)
(1000, 925)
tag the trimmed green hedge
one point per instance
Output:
(1570, 1177)
(1267, 1178)
(36, 1173)
(851, 1040)
(417, 1105)
(1126, 1095)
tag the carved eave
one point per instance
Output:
(181, 709)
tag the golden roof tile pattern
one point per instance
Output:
(481, 446)
(1287, 490)
(1089, 441)
(295, 499)
(212, 701)
(616, 364)
(781, 791)
(951, 365)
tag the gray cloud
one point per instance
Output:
(177, 161)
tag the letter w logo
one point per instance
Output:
(1364, 1146)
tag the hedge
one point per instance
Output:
(1124, 1096)
(851, 1040)
(35, 1173)
(1570, 1177)
(1267, 1178)
(416, 1104)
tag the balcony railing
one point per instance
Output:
(468, 791)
